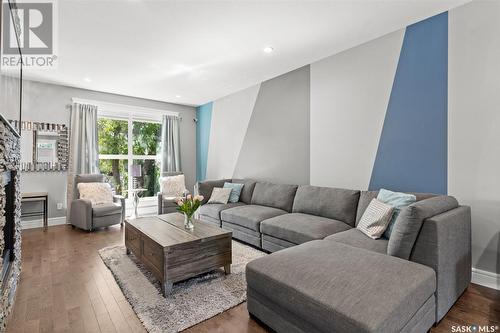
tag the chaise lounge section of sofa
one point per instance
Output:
(324, 275)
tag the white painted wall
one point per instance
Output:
(230, 117)
(45, 102)
(474, 124)
(349, 96)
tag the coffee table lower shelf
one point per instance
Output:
(174, 254)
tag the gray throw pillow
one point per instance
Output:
(410, 220)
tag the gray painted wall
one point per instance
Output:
(349, 96)
(276, 143)
(474, 124)
(45, 102)
(229, 123)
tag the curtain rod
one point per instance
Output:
(125, 108)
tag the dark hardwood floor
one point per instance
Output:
(65, 287)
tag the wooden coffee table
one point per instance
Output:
(173, 253)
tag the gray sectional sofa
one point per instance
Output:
(324, 275)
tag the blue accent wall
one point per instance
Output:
(204, 116)
(412, 151)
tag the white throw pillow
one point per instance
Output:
(220, 195)
(375, 219)
(172, 186)
(97, 193)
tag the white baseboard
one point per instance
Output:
(485, 278)
(39, 222)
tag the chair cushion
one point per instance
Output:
(334, 203)
(213, 210)
(106, 209)
(299, 228)
(250, 216)
(97, 193)
(173, 186)
(274, 195)
(339, 288)
(86, 178)
(356, 238)
(247, 190)
(408, 224)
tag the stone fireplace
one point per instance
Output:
(10, 219)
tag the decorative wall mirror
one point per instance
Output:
(44, 146)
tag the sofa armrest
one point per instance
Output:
(81, 214)
(121, 200)
(444, 244)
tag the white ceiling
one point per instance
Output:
(192, 52)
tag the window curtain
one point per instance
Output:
(83, 154)
(170, 147)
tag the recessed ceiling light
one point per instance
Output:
(87, 79)
(268, 49)
(178, 96)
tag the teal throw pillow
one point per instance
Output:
(235, 191)
(398, 201)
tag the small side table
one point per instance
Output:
(135, 200)
(35, 197)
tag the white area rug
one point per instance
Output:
(192, 301)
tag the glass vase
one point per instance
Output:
(188, 222)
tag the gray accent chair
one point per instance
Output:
(86, 217)
(324, 275)
(167, 205)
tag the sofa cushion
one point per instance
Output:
(106, 209)
(211, 220)
(354, 237)
(409, 222)
(243, 234)
(274, 195)
(366, 197)
(247, 190)
(299, 228)
(334, 203)
(273, 244)
(250, 216)
(339, 288)
(213, 210)
(205, 188)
